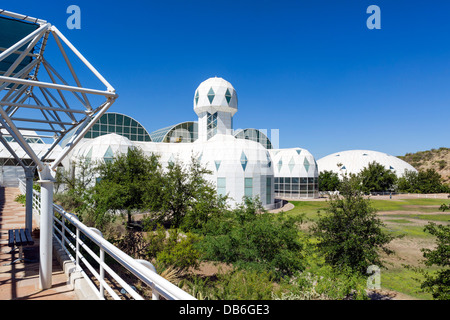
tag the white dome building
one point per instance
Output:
(242, 162)
(353, 161)
(295, 173)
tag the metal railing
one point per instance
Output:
(80, 243)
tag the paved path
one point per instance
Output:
(20, 281)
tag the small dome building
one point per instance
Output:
(353, 161)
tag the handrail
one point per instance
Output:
(141, 269)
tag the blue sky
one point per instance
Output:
(311, 69)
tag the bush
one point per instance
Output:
(173, 248)
(248, 238)
(351, 235)
(324, 283)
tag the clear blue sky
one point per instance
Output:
(311, 69)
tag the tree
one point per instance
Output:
(428, 181)
(328, 181)
(351, 235)
(123, 182)
(376, 178)
(249, 238)
(438, 284)
(186, 198)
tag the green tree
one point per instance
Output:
(328, 181)
(186, 198)
(438, 284)
(424, 181)
(350, 234)
(376, 178)
(249, 238)
(123, 182)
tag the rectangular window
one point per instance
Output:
(248, 187)
(222, 186)
(268, 190)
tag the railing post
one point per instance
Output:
(29, 199)
(46, 236)
(155, 294)
(102, 259)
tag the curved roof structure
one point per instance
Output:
(113, 122)
(255, 135)
(184, 132)
(353, 161)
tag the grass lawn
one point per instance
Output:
(409, 222)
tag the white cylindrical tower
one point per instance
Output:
(215, 103)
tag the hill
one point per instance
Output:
(437, 159)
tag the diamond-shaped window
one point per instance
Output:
(211, 95)
(244, 160)
(109, 155)
(280, 163)
(196, 98)
(306, 164)
(228, 96)
(292, 164)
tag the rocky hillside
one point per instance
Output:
(438, 159)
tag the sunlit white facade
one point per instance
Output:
(242, 163)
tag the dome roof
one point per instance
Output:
(353, 161)
(296, 162)
(215, 94)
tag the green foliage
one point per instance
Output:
(376, 178)
(324, 283)
(233, 285)
(249, 238)
(173, 248)
(351, 235)
(21, 198)
(444, 207)
(123, 182)
(328, 181)
(438, 284)
(186, 199)
(428, 181)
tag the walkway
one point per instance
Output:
(20, 281)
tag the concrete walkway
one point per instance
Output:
(20, 281)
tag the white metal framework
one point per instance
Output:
(35, 96)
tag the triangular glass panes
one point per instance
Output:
(298, 151)
(228, 96)
(196, 98)
(343, 168)
(280, 163)
(171, 160)
(291, 164)
(200, 157)
(269, 160)
(217, 162)
(306, 164)
(89, 155)
(211, 95)
(244, 160)
(109, 155)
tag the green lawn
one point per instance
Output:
(395, 278)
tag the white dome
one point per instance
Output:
(353, 161)
(293, 162)
(215, 94)
(103, 147)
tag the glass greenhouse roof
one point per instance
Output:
(184, 132)
(254, 135)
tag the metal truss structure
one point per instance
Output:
(34, 96)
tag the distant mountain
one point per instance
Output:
(438, 159)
